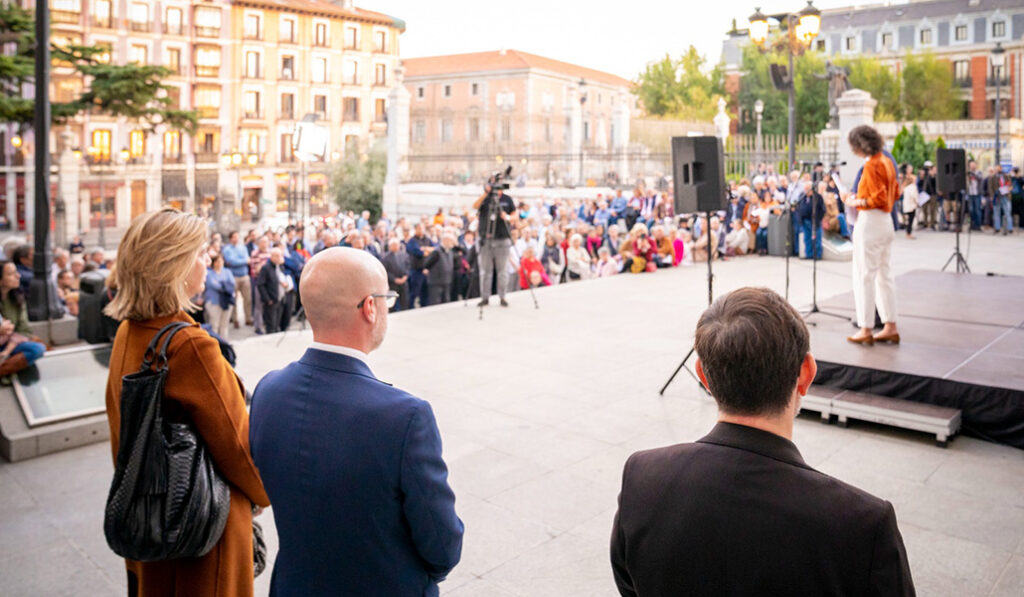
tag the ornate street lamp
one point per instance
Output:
(800, 30)
(997, 68)
(759, 111)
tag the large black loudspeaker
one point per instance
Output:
(698, 174)
(952, 173)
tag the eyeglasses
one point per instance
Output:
(390, 297)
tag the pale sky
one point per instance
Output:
(617, 37)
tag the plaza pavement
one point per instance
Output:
(538, 410)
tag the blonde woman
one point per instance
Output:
(161, 262)
(577, 259)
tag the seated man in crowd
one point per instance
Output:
(739, 512)
(737, 241)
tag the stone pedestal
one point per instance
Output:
(856, 107)
(620, 138)
(398, 144)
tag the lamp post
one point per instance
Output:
(583, 135)
(236, 160)
(102, 164)
(997, 68)
(800, 30)
(759, 110)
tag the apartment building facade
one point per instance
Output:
(473, 113)
(251, 69)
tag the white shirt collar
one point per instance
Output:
(344, 350)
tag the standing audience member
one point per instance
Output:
(999, 189)
(387, 478)
(273, 285)
(910, 194)
(258, 257)
(219, 296)
(161, 262)
(494, 214)
(396, 264)
(440, 268)
(739, 512)
(236, 258)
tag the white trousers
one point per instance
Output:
(873, 283)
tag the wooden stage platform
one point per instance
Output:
(962, 347)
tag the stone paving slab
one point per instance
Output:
(538, 411)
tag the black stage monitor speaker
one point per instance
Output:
(952, 173)
(698, 174)
(780, 77)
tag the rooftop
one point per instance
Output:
(327, 9)
(501, 60)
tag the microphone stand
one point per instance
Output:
(814, 267)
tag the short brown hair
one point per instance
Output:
(751, 344)
(866, 140)
(153, 260)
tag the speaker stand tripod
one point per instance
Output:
(711, 298)
(961, 262)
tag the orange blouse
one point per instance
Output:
(878, 185)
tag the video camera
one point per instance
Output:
(499, 180)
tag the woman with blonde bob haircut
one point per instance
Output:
(161, 263)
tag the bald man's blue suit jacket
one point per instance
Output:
(358, 488)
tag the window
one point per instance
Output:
(586, 130)
(137, 54)
(319, 69)
(886, 41)
(207, 22)
(997, 75)
(960, 33)
(138, 17)
(419, 131)
(420, 93)
(287, 154)
(446, 131)
(320, 34)
(101, 17)
(207, 61)
(474, 129)
(288, 30)
(350, 106)
(380, 41)
(252, 29)
(67, 90)
(380, 74)
(104, 57)
(851, 43)
(999, 29)
(174, 94)
(961, 70)
(506, 129)
(252, 65)
(137, 143)
(288, 68)
(819, 45)
(172, 144)
(288, 106)
(173, 21)
(208, 142)
(351, 72)
(320, 106)
(351, 38)
(447, 90)
(926, 37)
(100, 146)
(251, 104)
(547, 130)
(208, 100)
(474, 89)
(380, 112)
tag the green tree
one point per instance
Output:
(132, 91)
(357, 184)
(881, 82)
(811, 93)
(683, 89)
(927, 82)
(911, 148)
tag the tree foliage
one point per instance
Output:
(811, 93)
(927, 82)
(910, 147)
(881, 82)
(357, 184)
(683, 88)
(132, 91)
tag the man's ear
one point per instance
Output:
(808, 369)
(700, 375)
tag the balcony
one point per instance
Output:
(320, 43)
(287, 115)
(963, 82)
(175, 29)
(207, 71)
(207, 157)
(997, 82)
(207, 31)
(175, 158)
(380, 83)
(288, 39)
(102, 22)
(66, 17)
(321, 114)
(253, 35)
(287, 74)
(349, 116)
(140, 26)
(208, 111)
(252, 115)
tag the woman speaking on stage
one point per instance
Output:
(873, 283)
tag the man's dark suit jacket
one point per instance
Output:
(739, 513)
(355, 477)
(267, 283)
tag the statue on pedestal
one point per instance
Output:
(838, 83)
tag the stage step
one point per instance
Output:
(845, 405)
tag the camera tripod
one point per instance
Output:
(711, 299)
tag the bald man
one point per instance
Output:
(352, 465)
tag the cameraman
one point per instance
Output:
(494, 214)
